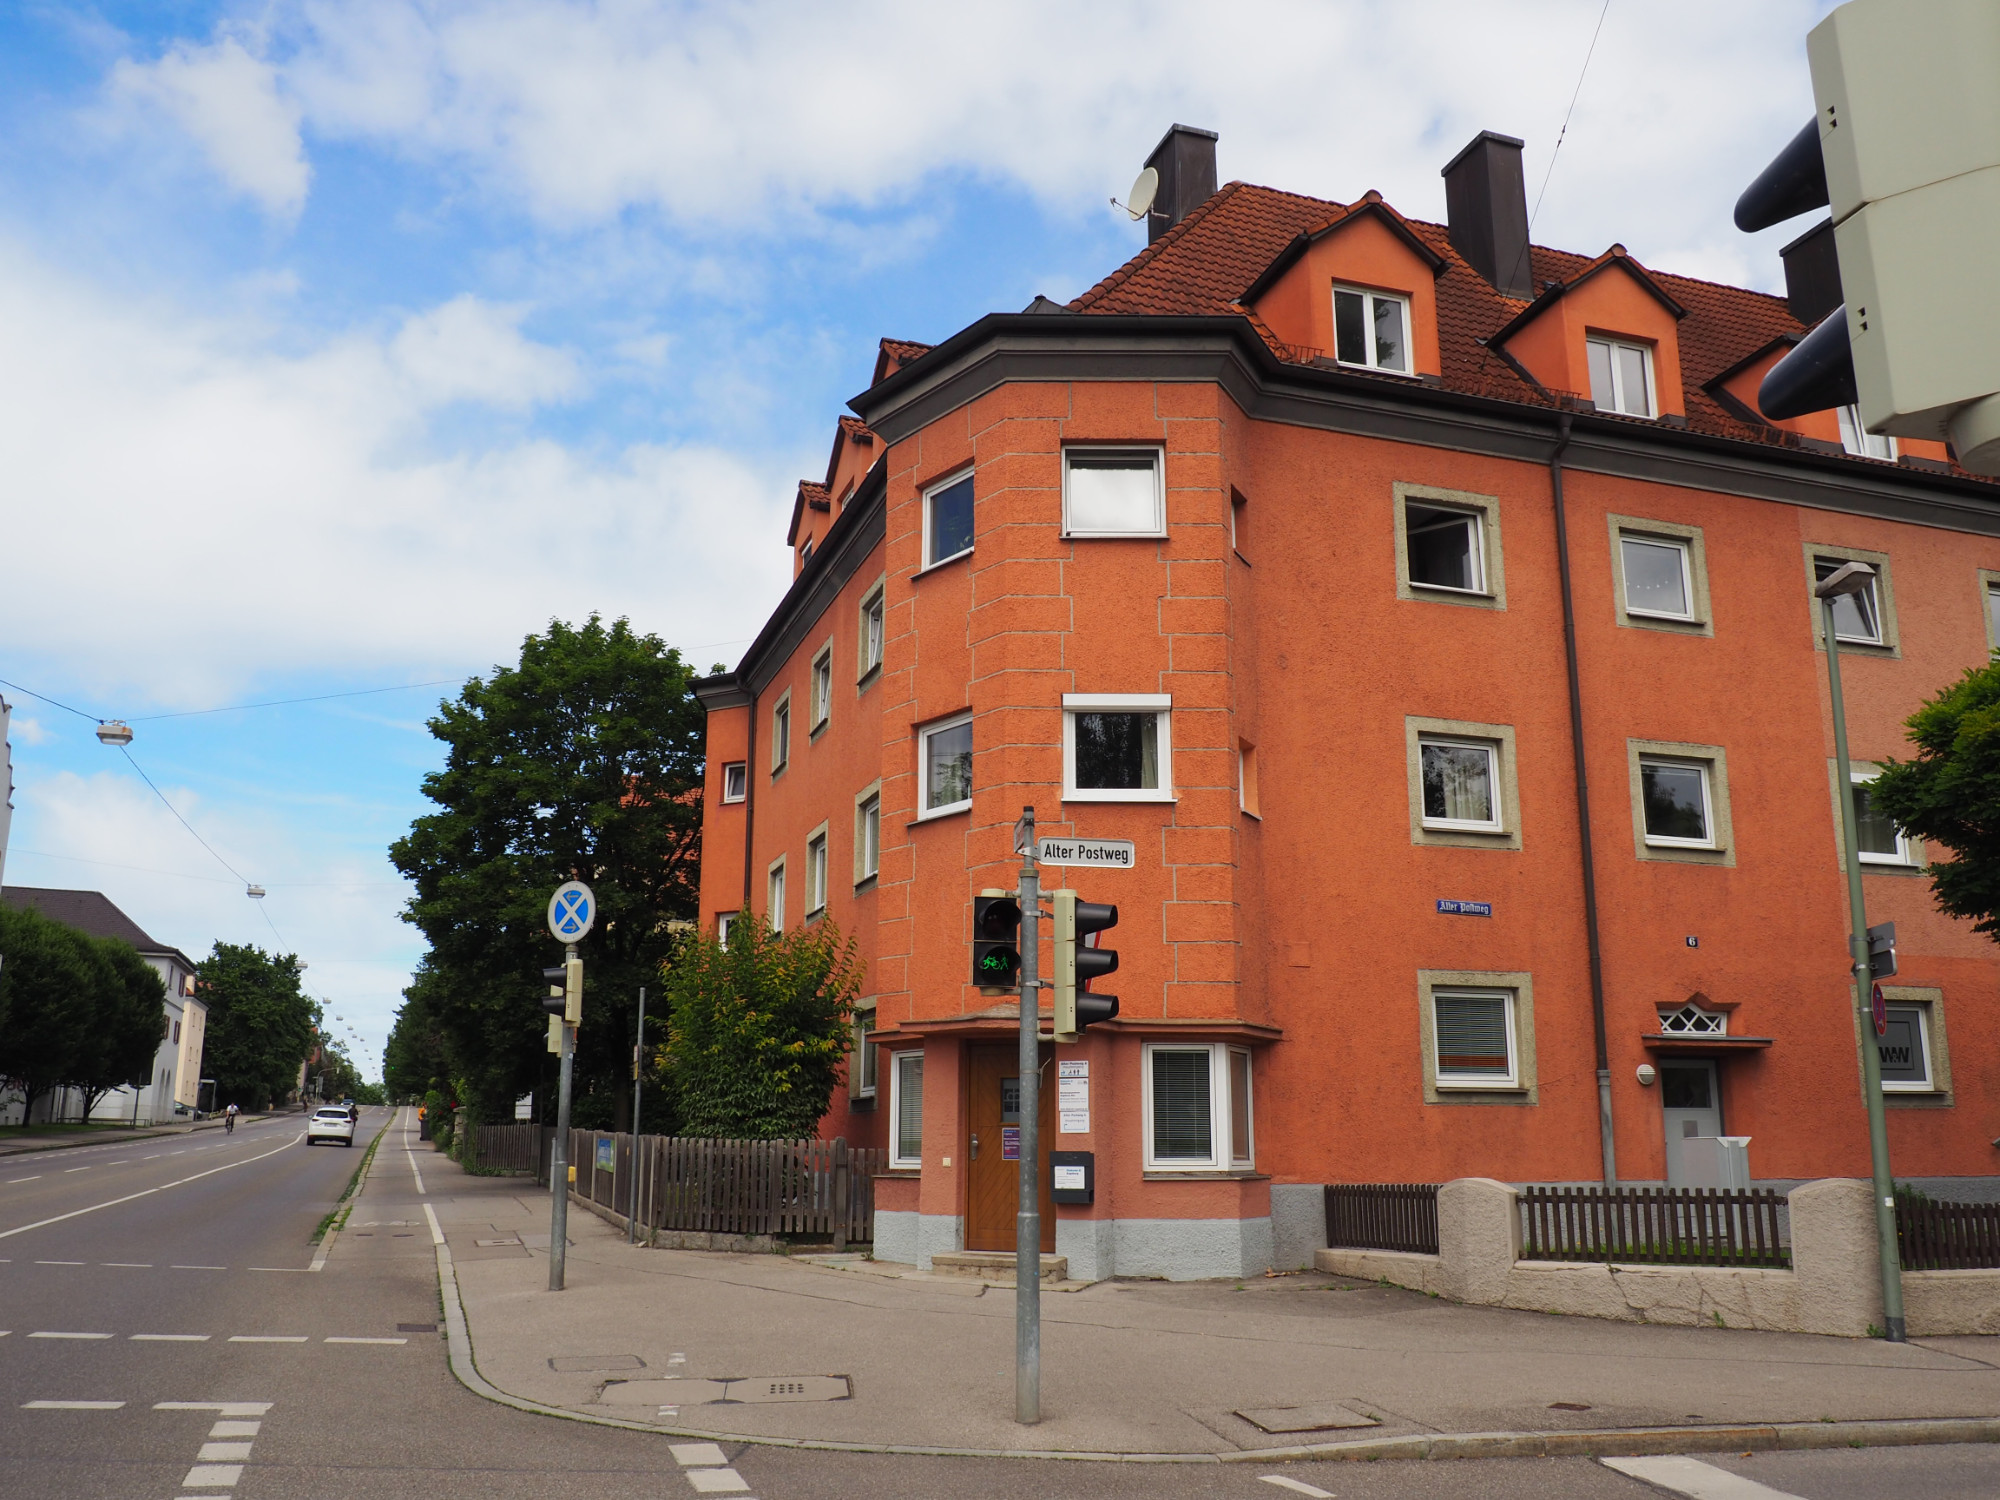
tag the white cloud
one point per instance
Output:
(766, 112)
(26, 731)
(202, 511)
(231, 105)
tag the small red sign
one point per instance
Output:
(1881, 1012)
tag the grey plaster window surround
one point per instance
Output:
(1371, 329)
(781, 732)
(1464, 791)
(944, 766)
(1885, 848)
(1659, 576)
(1916, 1063)
(867, 832)
(1448, 547)
(873, 641)
(1680, 802)
(864, 1058)
(1477, 1030)
(1114, 492)
(822, 689)
(948, 519)
(1865, 622)
(906, 1110)
(774, 894)
(816, 873)
(1989, 596)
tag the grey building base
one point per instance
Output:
(1089, 1245)
(1298, 1224)
(912, 1239)
(1190, 1249)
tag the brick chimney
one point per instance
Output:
(1486, 210)
(1185, 160)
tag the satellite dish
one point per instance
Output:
(1145, 188)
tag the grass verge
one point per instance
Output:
(337, 1216)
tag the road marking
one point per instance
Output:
(220, 1408)
(62, 1262)
(267, 1338)
(71, 1405)
(69, 1335)
(437, 1234)
(224, 1474)
(129, 1265)
(234, 1429)
(1682, 1475)
(12, 1180)
(1296, 1486)
(413, 1166)
(68, 1170)
(716, 1482)
(148, 1192)
(278, 1268)
(169, 1338)
(363, 1341)
(123, 1161)
(154, 1157)
(223, 1452)
(198, 1268)
(696, 1454)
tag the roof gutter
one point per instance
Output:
(1589, 863)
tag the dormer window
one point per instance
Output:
(1621, 377)
(1859, 441)
(1371, 330)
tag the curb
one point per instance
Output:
(1610, 1442)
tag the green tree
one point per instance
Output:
(261, 1024)
(415, 1056)
(584, 762)
(47, 976)
(1950, 794)
(757, 1029)
(130, 1018)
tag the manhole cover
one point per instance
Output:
(765, 1390)
(512, 1239)
(575, 1363)
(416, 1328)
(1305, 1418)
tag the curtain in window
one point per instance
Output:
(1874, 831)
(948, 776)
(1118, 752)
(1181, 1117)
(909, 1106)
(1472, 1035)
(1458, 783)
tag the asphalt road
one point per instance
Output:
(166, 1337)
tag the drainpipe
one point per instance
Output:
(749, 808)
(1583, 810)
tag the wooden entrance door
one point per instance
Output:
(993, 1164)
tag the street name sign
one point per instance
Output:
(1103, 854)
(572, 912)
(1465, 908)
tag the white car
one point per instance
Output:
(332, 1123)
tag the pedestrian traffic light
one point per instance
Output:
(1904, 148)
(996, 941)
(565, 996)
(1078, 962)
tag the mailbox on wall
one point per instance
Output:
(1073, 1176)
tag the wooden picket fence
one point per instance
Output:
(1659, 1226)
(808, 1188)
(1383, 1216)
(1947, 1236)
(505, 1148)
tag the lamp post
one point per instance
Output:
(1854, 578)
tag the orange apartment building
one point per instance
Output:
(1257, 554)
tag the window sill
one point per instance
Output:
(813, 734)
(907, 1169)
(1114, 536)
(1251, 813)
(861, 1103)
(1476, 830)
(1446, 591)
(866, 883)
(1488, 1086)
(1202, 1174)
(1348, 364)
(1917, 1099)
(935, 813)
(777, 771)
(1677, 846)
(1072, 795)
(734, 801)
(815, 915)
(942, 562)
(868, 679)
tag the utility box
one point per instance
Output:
(1716, 1161)
(1073, 1177)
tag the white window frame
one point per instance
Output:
(1905, 1085)
(1858, 441)
(1158, 454)
(872, 645)
(1874, 591)
(816, 873)
(1618, 407)
(1248, 799)
(867, 850)
(1159, 704)
(1478, 520)
(931, 492)
(1989, 599)
(774, 894)
(1221, 1122)
(1707, 770)
(819, 692)
(1444, 1082)
(1496, 797)
(1905, 857)
(944, 810)
(898, 1062)
(1672, 543)
(1370, 296)
(781, 732)
(864, 1067)
(741, 777)
(724, 921)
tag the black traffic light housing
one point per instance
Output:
(996, 941)
(555, 1002)
(1077, 964)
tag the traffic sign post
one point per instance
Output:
(572, 913)
(1028, 1221)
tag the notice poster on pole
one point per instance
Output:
(1073, 1098)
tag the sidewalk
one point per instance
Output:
(1129, 1368)
(58, 1139)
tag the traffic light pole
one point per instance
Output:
(1028, 1222)
(559, 1156)
(1864, 1017)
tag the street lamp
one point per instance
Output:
(1856, 578)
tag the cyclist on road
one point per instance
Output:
(229, 1120)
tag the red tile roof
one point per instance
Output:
(1207, 261)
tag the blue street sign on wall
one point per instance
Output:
(1465, 908)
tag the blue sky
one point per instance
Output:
(342, 344)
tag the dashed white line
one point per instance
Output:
(44, 1335)
(12, 1180)
(198, 1268)
(363, 1341)
(223, 1474)
(71, 1405)
(234, 1429)
(148, 1192)
(437, 1234)
(223, 1452)
(68, 1170)
(1682, 1475)
(128, 1265)
(220, 1408)
(267, 1338)
(62, 1262)
(169, 1338)
(1296, 1486)
(717, 1482)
